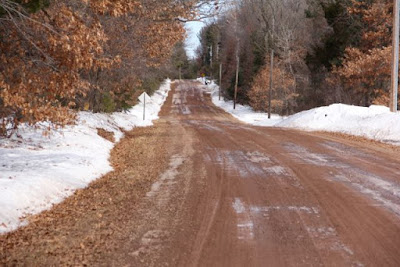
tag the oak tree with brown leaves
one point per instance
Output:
(67, 55)
(365, 72)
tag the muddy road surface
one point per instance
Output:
(202, 189)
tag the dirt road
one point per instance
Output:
(202, 189)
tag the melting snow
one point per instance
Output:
(238, 206)
(37, 172)
(245, 225)
(167, 176)
(308, 210)
(257, 157)
(277, 170)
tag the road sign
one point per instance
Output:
(144, 97)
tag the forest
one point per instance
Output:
(321, 52)
(58, 57)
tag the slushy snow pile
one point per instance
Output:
(37, 172)
(374, 122)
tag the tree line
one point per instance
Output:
(60, 56)
(317, 52)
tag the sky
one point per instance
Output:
(192, 41)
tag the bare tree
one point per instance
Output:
(286, 34)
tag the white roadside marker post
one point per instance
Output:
(144, 107)
(142, 99)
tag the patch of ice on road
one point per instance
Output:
(327, 238)
(246, 230)
(384, 192)
(381, 184)
(321, 232)
(347, 151)
(342, 247)
(277, 170)
(150, 242)
(204, 125)
(179, 101)
(167, 176)
(185, 110)
(378, 197)
(238, 206)
(37, 172)
(308, 210)
(245, 225)
(305, 155)
(341, 178)
(176, 99)
(257, 157)
(237, 163)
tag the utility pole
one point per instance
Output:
(211, 56)
(271, 76)
(220, 81)
(395, 59)
(211, 63)
(271, 73)
(237, 77)
(237, 60)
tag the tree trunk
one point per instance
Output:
(270, 82)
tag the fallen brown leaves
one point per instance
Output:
(91, 226)
(106, 135)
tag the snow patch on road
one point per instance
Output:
(150, 242)
(321, 232)
(246, 231)
(37, 172)
(179, 101)
(387, 203)
(168, 176)
(384, 192)
(308, 210)
(238, 206)
(207, 125)
(277, 170)
(257, 157)
(245, 225)
(305, 155)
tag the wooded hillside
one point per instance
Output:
(323, 52)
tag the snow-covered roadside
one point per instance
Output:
(37, 172)
(374, 122)
(246, 113)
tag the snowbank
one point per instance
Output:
(243, 113)
(37, 172)
(374, 122)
